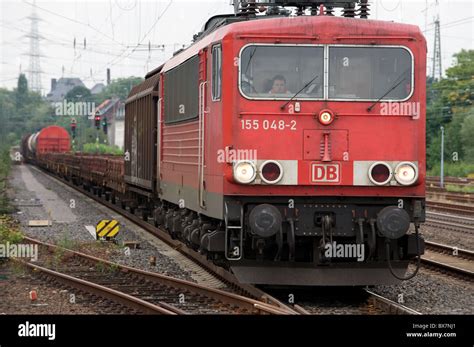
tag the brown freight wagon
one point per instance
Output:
(140, 145)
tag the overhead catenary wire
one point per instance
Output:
(74, 21)
(121, 56)
(451, 24)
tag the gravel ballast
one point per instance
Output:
(68, 229)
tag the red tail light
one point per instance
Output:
(380, 173)
(271, 172)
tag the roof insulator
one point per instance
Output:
(349, 11)
(364, 9)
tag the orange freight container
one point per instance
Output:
(50, 139)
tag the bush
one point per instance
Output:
(4, 171)
(9, 231)
(101, 149)
(458, 169)
(468, 189)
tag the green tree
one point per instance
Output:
(118, 88)
(467, 137)
(79, 94)
(7, 108)
(449, 101)
(464, 68)
(21, 92)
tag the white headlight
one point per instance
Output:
(406, 173)
(244, 172)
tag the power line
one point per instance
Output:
(67, 43)
(120, 58)
(458, 37)
(451, 24)
(74, 21)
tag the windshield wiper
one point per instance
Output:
(282, 107)
(388, 91)
(250, 59)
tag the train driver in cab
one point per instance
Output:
(279, 85)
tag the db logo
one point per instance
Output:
(327, 173)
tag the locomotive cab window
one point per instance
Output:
(279, 72)
(369, 73)
(216, 72)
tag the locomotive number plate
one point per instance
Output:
(325, 173)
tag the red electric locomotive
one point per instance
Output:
(287, 145)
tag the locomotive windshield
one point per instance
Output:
(353, 73)
(278, 72)
(368, 73)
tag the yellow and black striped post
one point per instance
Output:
(107, 229)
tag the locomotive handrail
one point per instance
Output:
(158, 138)
(277, 113)
(202, 112)
(374, 37)
(266, 36)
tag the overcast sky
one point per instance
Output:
(118, 32)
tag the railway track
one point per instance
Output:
(462, 198)
(140, 290)
(118, 302)
(438, 216)
(56, 294)
(450, 222)
(435, 192)
(434, 180)
(450, 260)
(451, 226)
(450, 250)
(344, 300)
(389, 306)
(222, 274)
(450, 207)
(437, 189)
(249, 291)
